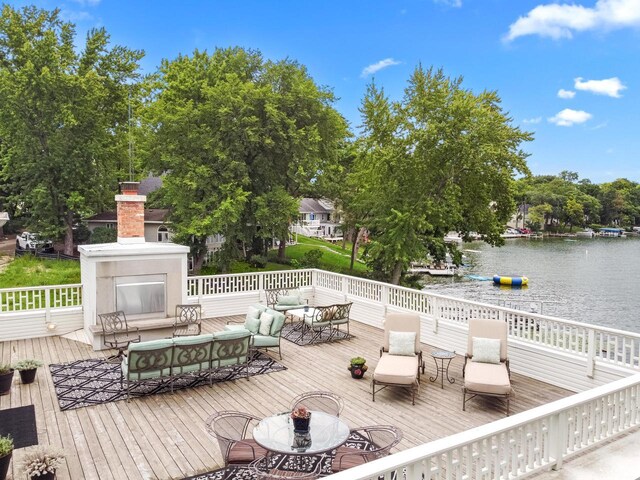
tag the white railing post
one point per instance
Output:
(435, 312)
(557, 438)
(345, 286)
(200, 284)
(260, 286)
(591, 352)
(47, 305)
(384, 293)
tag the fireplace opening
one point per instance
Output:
(142, 295)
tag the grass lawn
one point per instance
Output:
(28, 271)
(334, 257)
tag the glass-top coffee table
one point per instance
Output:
(276, 434)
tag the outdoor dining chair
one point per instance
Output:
(381, 439)
(261, 469)
(117, 334)
(233, 431)
(320, 401)
(188, 320)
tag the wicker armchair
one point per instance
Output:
(117, 334)
(188, 320)
(326, 402)
(233, 432)
(262, 469)
(382, 439)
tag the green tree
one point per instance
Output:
(237, 135)
(441, 159)
(63, 117)
(574, 213)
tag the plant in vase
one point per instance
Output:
(357, 367)
(6, 450)
(301, 418)
(6, 377)
(42, 463)
(28, 369)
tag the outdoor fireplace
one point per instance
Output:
(141, 295)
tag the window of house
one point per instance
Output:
(163, 234)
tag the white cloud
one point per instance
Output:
(75, 16)
(376, 67)
(450, 3)
(609, 86)
(532, 120)
(562, 20)
(562, 93)
(569, 117)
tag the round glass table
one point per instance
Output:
(276, 434)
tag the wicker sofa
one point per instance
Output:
(172, 357)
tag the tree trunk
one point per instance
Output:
(281, 247)
(356, 246)
(198, 261)
(397, 272)
(68, 236)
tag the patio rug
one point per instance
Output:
(20, 424)
(286, 462)
(91, 382)
(293, 333)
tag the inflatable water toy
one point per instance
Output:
(512, 280)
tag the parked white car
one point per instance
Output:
(31, 241)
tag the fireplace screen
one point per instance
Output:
(140, 294)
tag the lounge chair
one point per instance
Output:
(400, 356)
(486, 365)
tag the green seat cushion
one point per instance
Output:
(234, 328)
(289, 300)
(151, 344)
(193, 339)
(309, 321)
(195, 367)
(265, 341)
(339, 321)
(146, 375)
(231, 333)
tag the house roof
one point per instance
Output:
(149, 184)
(151, 215)
(316, 205)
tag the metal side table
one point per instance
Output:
(442, 370)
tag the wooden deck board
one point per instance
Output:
(164, 436)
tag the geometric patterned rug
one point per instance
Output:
(91, 382)
(293, 333)
(286, 462)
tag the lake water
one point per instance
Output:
(587, 280)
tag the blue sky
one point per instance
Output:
(568, 72)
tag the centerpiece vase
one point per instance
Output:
(301, 424)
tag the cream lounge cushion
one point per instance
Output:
(396, 369)
(487, 378)
(486, 350)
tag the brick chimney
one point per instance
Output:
(130, 213)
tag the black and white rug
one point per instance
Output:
(293, 332)
(307, 463)
(91, 382)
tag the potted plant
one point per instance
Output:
(27, 369)
(6, 450)
(357, 367)
(6, 377)
(301, 418)
(42, 463)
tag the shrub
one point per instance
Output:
(27, 364)
(258, 261)
(6, 445)
(311, 259)
(42, 460)
(358, 361)
(104, 235)
(4, 369)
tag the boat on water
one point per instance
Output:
(586, 233)
(612, 232)
(438, 270)
(511, 280)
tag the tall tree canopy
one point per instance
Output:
(238, 137)
(441, 159)
(63, 117)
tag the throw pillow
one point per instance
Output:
(402, 343)
(266, 320)
(289, 300)
(486, 350)
(252, 324)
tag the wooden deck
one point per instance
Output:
(164, 437)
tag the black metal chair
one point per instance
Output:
(381, 438)
(233, 431)
(188, 320)
(117, 334)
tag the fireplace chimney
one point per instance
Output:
(130, 213)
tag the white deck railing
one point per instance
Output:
(538, 439)
(37, 298)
